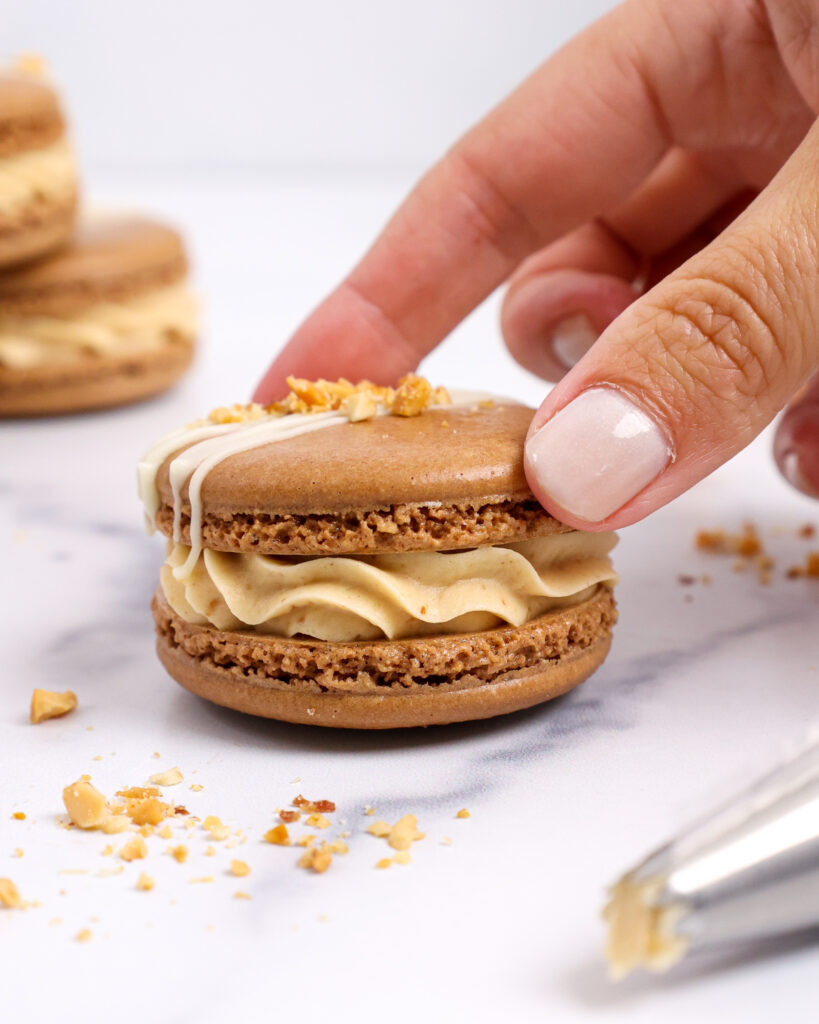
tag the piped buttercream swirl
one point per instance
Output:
(350, 598)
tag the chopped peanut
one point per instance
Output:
(239, 868)
(145, 883)
(48, 704)
(9, 894)
(214, 827)
(278, 836)
(172, 777)
(86, 806)
(316, 858)
(463, 813)
(134, 849)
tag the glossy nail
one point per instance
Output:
(572, 338)
(596, 454)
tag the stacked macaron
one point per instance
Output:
(96, 311)
(38, 178)
(368, 558)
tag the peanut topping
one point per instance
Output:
(145, 883)
(399, 836)
(314, 806)
(361, 401)
(316, 858)
(9, 894)
(86, 806)
(134, 849)
(239, 868)
(47, 704)
(278, 836)
(172, 777)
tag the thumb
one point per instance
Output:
(692, 371)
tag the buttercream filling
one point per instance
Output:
(48, 173)
(369, 597)
(139, 324)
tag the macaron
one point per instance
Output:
(107, 320)
(370, 558)
(38, 178)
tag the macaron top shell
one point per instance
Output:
(108, 259)
(444, 455)
(30, 115)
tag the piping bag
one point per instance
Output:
(748, 872)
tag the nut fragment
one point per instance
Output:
(278, 836)
(317, 821)
(149, 812)
(239, 868)
(86, 806)
(214, 827)
(134, 849)
(48, 704)
(316, 858)
(414, 394)
(179, 853)
(314, 806)
(172, 777)
(360, 406)
(145, 883)
(9, 894)
(84, 935)
(399, 836)
(463, 813)
(115, 823)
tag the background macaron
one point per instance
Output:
(109, 319)
(38, 180)
(448, 480)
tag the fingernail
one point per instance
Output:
(597, 453)
(794, 474)
(572, 339)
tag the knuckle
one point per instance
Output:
(485, 210)
(720, 337)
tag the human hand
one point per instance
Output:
(671, 143)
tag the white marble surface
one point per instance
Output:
(705, 686)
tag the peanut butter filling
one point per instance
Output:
(48, 173)
(140, 324)
(389, 596)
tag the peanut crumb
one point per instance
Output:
(149, 812)
(402, 857)
(18, 851)
(115, 823)
(288, 817)
(380, 829)
(239, 868)
(19, 816)
(9, 894)
(369, 811)
(316, 858)
(317, 821)
(86, 806)
(145, 883)
(171, 777)
(314, 806)
(463, 813)
(239, 895)
(215, 828)
(83, 935)
(210, 851)
(166, 832)
(107, 850)
(278, 836)
(385, 862)
(48, 704)
(134, 849)
(203, 880)
(179, 853)
(196, 787)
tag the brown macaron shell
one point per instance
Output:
(389, 684)
(30, 115)
(110, 259)
(31, 119)
(448, 479)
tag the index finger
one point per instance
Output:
(571, 142)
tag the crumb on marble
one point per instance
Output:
(47, 704)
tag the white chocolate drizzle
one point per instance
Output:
(214, 443)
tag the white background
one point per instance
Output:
(246, 85)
